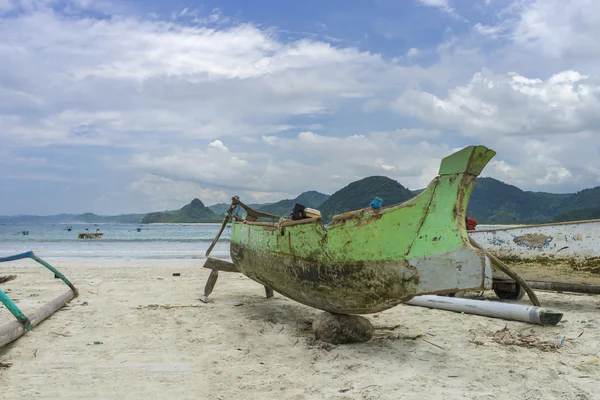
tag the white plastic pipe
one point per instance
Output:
(514, 312)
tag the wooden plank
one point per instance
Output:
(210, 283)
(220, 265)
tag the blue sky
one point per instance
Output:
(137, 106)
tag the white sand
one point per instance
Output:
(244, 346)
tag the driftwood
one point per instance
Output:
(7, 278)
(15, 329)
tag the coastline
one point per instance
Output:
(245, 346)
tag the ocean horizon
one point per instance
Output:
(118, 240)
(153, 241)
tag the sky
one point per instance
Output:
(136, 106)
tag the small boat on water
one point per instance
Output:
(368, 260)
(562, 256)
(90, 235)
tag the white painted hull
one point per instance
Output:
(560, 252)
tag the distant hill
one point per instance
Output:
(283, 208)
(359, 194)
(118, 219)
(578, 215)
(36, 219)
(492, 202)
(72, 218)
(193, 212)
(495, 202)
(221, 208)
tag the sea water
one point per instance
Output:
(118, 240)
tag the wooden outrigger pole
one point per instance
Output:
(24, 323)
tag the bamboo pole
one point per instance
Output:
(15, 329)
(514, 312)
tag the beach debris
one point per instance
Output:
(514, 312)
(176, 274)
(342, 328)
(4, 364)
(508, 337)
(591, 362)
(433, 344)
(95, 342)
(166, 306)
(7, 278)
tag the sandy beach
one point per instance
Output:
(156, 340)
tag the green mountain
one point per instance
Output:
(495, 202)
(119, 219)
(283, 208)
(221, 208)
(359, 194)
(193, 212)
(578, 215)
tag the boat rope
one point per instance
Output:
(504, 268)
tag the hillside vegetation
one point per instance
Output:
(192, 213)
(359, 194)
(283, 208)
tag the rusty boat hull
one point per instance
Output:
(370, 260)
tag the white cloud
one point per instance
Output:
(435, 3)
(442, 5)
(121, 77)
(560, 28)
(412, 52)
(6, 5)
(567, 102)
(309, 161)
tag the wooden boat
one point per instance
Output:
(89, 235)
(24, 323)
(368, 260)
(557, 256)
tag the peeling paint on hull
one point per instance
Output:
(563, 252)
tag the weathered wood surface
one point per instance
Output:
(15, 329)
(220, 265)
(562, 252)
(210, 284)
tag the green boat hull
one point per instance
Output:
(370, 260)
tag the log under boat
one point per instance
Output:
(372, 259)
